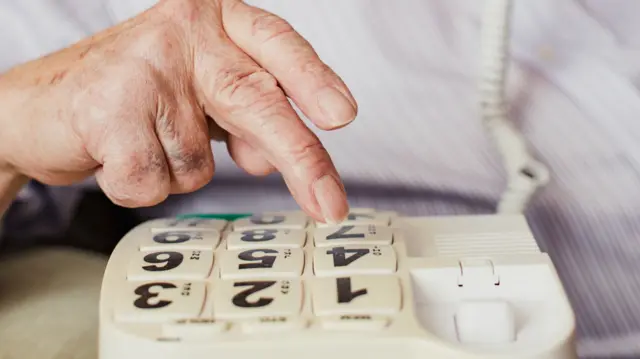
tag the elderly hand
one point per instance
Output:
(133, 105)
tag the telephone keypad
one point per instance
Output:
(265, 273)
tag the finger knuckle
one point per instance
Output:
(242, 89)
(309, 155)
(316, 69)
(145, 182)
(268, 26)
(192, 168)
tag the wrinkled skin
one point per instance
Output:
(137, 104)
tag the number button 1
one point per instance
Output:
(354, 260)
(352, 234)
(181, 240)
(261, 262)
(370, 295)
(252, 298)
(171, 265)
(160, 301)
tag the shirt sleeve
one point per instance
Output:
(38, 211)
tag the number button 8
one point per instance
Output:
(273, 238)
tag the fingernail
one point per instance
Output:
(331, 198)
(336, 107)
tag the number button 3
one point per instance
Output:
(251, 298)
(261, 262)
(160, 301)
(354, 259)
(171, 265)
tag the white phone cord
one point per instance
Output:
(524, 173)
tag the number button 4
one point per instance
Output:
(352, 234)
(181, 240)
(274, 238)
(251, 298)
(281, 220)
(354, 260)
(160, 301)
(171, 265)
(366, 295)
(261, 262)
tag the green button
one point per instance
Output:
(224, 216)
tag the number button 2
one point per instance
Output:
(273, 238)
(251, 298)
(160, 301)
(171, 265)
(354, 259)
(261, 262)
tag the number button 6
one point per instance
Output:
(171, 265)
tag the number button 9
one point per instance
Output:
(171, 265)
(181, 240)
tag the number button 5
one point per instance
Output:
(261, 262)
(354, 260)
(171, 265)
(160, 301)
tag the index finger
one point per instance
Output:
(273, 43)
(247, 102)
